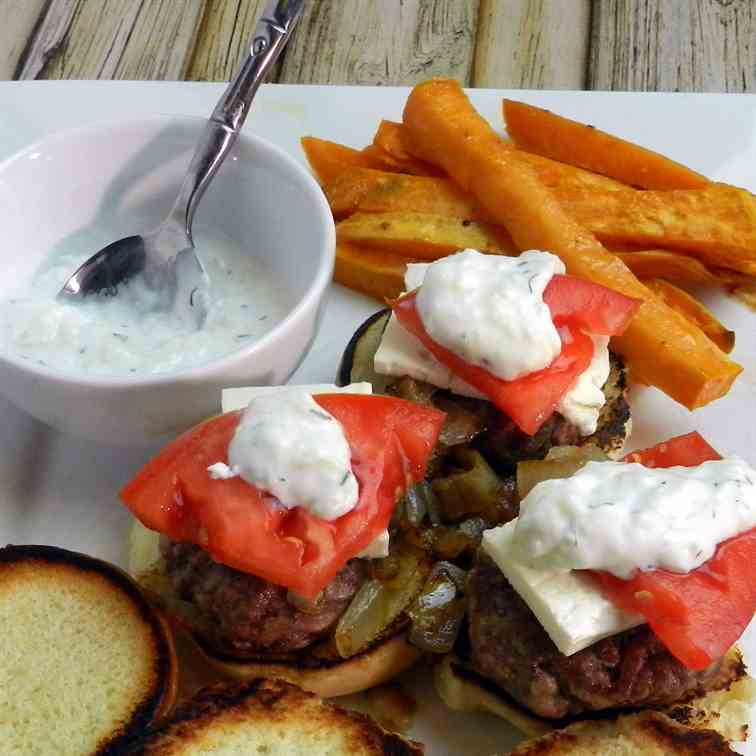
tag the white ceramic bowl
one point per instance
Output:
(106, 181)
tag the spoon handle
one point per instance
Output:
(271, 34)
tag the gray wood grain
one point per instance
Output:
(387, 42)
(50, 36)
(223, 38)
(116, 39)
(20, 18)
(536, 44)
(673, 45)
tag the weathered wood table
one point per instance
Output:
(665, 45)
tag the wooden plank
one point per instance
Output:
(20, 17)
(117, 39)
(536, 44)
(224, 38)
(668, 45)
(49, 37)
(368, 42)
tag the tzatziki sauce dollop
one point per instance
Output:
(288, 445)
(620, 517)
(489, 310)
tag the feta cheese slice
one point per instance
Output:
(400, 353)
(238, 398)
(569, 606)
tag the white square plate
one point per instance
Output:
(56, 490)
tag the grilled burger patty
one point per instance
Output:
(244, 615)
(510, 647)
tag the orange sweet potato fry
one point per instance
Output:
(329, 159)
(717, 224)
(662, 347)
(389, 139)
(371, 191)
(420, 235)
(694, 311)
(374, 272)
(382, 159)
(545, 133)
(674, 267)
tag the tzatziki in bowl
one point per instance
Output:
(123, 369)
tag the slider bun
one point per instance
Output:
(322, 674)
(614, 423)
(269, 717)
(710, 720)
(86, 663)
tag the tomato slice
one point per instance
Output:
(689, 450)
(529, 400)
(243, 527)
(699, 615)
(589, 306)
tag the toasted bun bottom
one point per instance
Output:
(326, 677)
(78, 637)
(725, 708)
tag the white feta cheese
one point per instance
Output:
(238, 398)
(568, 604)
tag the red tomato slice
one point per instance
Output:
(698, 615)
(391, 441)
(589, 306)
(529, 400)
(689, 450)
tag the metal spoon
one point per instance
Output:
(166, 255)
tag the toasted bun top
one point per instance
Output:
(271, 717)
(85, 662)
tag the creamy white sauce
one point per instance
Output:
(582, 404)
(489, 310)
(130, 333)
(621, 517)
(288, 445)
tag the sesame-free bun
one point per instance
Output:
(270, 717)
(85, 661)
(322, 673)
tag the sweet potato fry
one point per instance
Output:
(373, 191)
(545, 133)
(379, 159)
(389, 139)
(716, 224)
(694, 311)
(374, 272)
(328, 159)
(420, 235)
(678, 268)
(662, 347)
